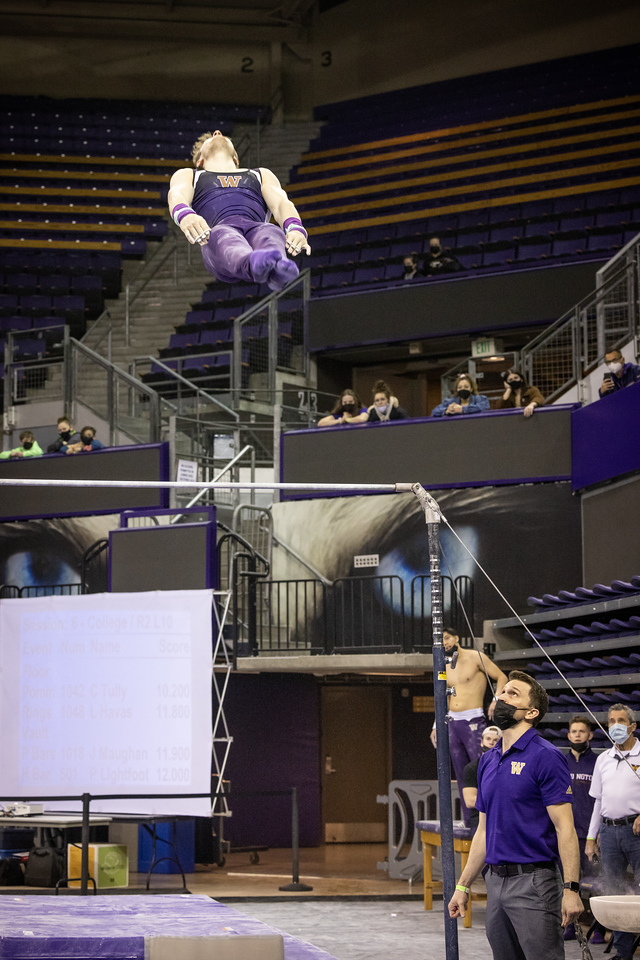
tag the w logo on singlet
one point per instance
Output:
(228, 181)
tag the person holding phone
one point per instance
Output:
(619, 374)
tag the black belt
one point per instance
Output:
(513, 869)
(621, 820)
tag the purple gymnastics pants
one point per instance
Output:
(464, 746)
(241, 249)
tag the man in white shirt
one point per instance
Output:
(615, 822)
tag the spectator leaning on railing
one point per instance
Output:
(465, 399)
(347, 409)
(518, 393)
(385, 407)
(29, 447)
(66, 435)
(87, 442)
(619, 374)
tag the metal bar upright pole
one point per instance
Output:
(433, 517)
(442, 734)
(84, 854)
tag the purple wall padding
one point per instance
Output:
(115, 928)
(274, 720)
(605, 438)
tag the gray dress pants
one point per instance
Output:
(524, 914)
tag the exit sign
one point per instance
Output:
(484, 348)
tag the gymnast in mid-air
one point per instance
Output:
(227, 211)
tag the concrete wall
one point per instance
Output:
(376, 46)
(358, 48)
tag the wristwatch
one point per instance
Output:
(572, 885)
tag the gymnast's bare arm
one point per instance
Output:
(282, 208)
(194, 227)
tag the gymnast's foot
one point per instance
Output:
(262, 263)
(283, 273)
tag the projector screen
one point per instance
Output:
(106, 694)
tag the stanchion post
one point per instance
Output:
(84, 856)
(433, 517)
(295, 884)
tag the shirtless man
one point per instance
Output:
(227, 209)
(466, 716)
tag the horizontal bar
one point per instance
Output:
(213, 484)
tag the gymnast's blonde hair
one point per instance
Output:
(198, 145)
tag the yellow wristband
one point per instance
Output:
(462, 889)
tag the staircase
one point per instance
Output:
(281, 146)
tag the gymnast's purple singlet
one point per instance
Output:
(218, 197)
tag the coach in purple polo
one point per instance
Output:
(615, 822)
(525, 832)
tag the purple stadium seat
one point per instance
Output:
(564, 248)
(8, 304)
(568, 205)
(504, 254)
(386, 232)
(22, 284)
(602, 198)
(505, 233)
(612, 218)
(541, 228)
(470, 261)
(579, 222)
(198, 317)
(534, 250)
(340, 278)
(15, 323)
(473, 219)
(38, 306)
(404, 248)
(393, 271)
(342, 257)
(369, 274)
(605, 241)
(504, 214)
(472, 238)
(374, 253)
(70, 307)
(58, 286)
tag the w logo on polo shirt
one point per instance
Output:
(517, 767)
(228, 181)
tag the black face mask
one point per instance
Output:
(580, 747)
(464, 394)
(348, 407)
(435, 251)
(504, 715)
(484, 749)
(27, 444)
(65, 434)
(86, 438)
(515, 384)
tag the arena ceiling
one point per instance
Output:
(208, 20)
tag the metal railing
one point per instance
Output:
(271, 336)
(186, 394)
(567, 352)
(129, 406)
(351, 615)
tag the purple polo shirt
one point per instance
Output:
(514, 790)
(581, 771)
